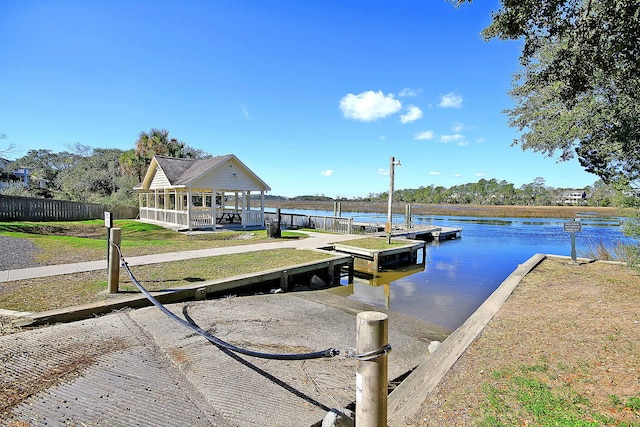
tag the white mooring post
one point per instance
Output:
(371, 375)
(114, 260)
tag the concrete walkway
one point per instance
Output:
(314, 241)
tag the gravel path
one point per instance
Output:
(16, 253)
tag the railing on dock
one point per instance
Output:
(374, 225)
(332, 224)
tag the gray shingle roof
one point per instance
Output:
(199, 168)
(182, 171)
(174, 168)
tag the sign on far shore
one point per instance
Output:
(573, 226)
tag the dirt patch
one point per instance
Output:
(573, 329)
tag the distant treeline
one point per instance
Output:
(498, 193)
(108, 176)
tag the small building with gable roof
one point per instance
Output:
(202, 193)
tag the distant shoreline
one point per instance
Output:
(567, 212)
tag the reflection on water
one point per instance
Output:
(458, 275)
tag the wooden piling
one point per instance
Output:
(114, 260)
(371, 375)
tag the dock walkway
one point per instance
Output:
(422, 232)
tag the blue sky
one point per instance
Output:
(315, 97)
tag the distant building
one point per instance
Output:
(573, 197)
(632, 192)
(21, 175)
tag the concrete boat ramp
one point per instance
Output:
(140, 368)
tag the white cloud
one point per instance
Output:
(383, 172)
(245, 112)
(457, 127)
(413, 113)
(457, 175)
(409, 92)
(327, 172)
(480, 140)
(462, 143)
(369, 106)
(481, 174)
(445, 139)
(434, 173)
(450, 100)
(424, 136)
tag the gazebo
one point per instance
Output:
(203, 193)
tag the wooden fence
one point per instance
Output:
(31, 209)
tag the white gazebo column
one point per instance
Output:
(155, 204)
(235, 197)
(189, 203)
(244, 210)
(214, 207)
(262, 206)
(165, 203)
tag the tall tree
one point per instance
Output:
(45, 166)
(579, 91)
(157, 142)
(7, 149)
(94, 177)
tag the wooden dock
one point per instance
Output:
(427, 233)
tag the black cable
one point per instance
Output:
(330, 352)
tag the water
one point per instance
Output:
(458, 275)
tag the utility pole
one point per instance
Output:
(392, 163)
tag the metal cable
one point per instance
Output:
(350, 353)
(190, 324)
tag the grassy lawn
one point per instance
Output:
(562, 351)
(76, 241)
(53, 292)
(68, 242)
(374, 243)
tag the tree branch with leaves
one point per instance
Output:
(578, 92)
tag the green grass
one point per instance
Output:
(374, 243)
(75, 241)
(526, 397)
(54, 292)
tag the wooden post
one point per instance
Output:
(284, 281)
(390, 200)
(114, 260)
(371, 375)
(108, 222)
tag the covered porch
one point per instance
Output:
(187, 208)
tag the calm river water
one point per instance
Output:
(458, 275)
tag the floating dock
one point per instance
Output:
(427, 233)
(373, 260)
